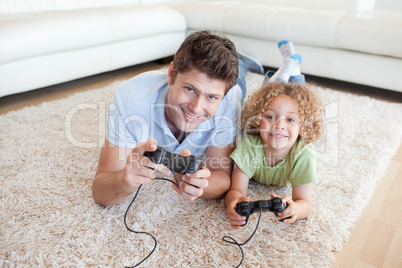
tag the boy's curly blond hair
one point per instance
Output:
(311, 111)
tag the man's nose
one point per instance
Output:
(196, 105)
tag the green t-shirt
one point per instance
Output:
(298, 168)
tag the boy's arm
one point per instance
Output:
(236, 194)
(239, 185)
(299, 206)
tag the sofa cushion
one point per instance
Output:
(28, 35)
(365, 31)
(273, 23)
(304, 26)
(349, 5)
(376, 32)
(30, 6)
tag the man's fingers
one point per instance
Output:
(185, 152)
(188, 196)
(201, 173)
(136, 161)
(142, 147)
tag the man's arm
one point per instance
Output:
(220, 165)
(211, 182)
(121, 171)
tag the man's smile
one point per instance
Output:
(189, 117)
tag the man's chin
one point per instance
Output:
(190, 126)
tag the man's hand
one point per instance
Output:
(139, 169)
(191, 185)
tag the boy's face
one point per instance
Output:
(280, 125)
(192, 98)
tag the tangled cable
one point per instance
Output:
(227, 239)
(138, 232)
(232, 241)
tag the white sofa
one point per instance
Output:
(45, 42)
(351, 40)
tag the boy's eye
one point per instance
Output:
(292, 120)
(270, 117)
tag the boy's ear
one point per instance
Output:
(170, 73)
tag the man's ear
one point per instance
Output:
(170, 73)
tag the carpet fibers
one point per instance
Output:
(48, 158)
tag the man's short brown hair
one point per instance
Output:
(209, 53)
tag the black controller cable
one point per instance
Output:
(232, 241)
(176, 182)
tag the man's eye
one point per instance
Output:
(189, 89)
(212, 97)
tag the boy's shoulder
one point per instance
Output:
(250, 141)
(303, 149)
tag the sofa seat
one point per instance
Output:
(354, 46)
(38, 49)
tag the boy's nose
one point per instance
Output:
(280, 123)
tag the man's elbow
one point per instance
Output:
(219, 187)
(97, 194)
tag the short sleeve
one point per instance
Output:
(225, 130)
(304, 167)
(117, 132)
(243, 155)
(226, 119)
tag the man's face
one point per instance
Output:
(192, 98)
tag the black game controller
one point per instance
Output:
(180, 164)
(274, 205)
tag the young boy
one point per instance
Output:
(281, 120)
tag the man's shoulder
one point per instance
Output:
(142, 88)
(231, 101)
(233, 96)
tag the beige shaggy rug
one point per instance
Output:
(48, 158)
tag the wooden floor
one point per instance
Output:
(376, 239)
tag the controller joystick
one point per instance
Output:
(180, 164)
(274, 205)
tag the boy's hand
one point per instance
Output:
(191, 185)
(289, 212)
(236, 221)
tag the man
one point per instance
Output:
(191, 108)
